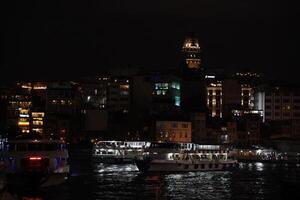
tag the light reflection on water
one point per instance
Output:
(98, 181)
(102, 168)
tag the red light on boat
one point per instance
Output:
(35, 158)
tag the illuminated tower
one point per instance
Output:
(191, 51)
(193, 93)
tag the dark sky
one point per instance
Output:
(59, 38)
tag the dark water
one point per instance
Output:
(98, 181)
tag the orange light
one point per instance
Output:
(20, 123)
(35, 158)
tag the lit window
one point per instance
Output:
(184, 125)
(38, 114)
(23, 123)
(177, 100)
(157, 86)
(37, 123)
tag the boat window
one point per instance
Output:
(202, 166)
(186, 166)
(210, 166)
(196, 166)
(216, 165)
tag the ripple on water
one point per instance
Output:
(250, 181)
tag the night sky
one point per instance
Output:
(65, 39)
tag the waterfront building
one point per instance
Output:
(38, 120)
(119, 94)
(142, 95)
(63, 102)
(199, 133)
(21, 102)
(214, 98)
(17, 102)
(247, 96)
(249, 131)
(165, 93)
(225, 95)
(232, 134)
(173, 131)
(278, 102)
(94, 92)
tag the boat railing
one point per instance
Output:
(197, 157)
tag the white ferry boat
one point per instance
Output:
(171, 157)
(118, 151)
(39, 162)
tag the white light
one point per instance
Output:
(258, 151)
(22, 115)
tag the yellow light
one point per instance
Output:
(124, 86)
(23, 123)
(24, 111)
(40, 123)
(38, 114)
(26, 87)
(40, 87)
(38, 119)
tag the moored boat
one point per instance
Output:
(38, 162)
(169, 157)
(118, 152)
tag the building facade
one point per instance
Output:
(279, 102)
(214, 99)
(173, 131)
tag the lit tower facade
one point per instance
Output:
(191, 50)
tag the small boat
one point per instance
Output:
(169, 157)
(39, 162)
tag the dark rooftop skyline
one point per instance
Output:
(60, 39)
